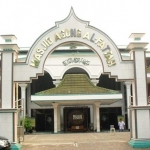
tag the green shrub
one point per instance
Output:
(27, 123)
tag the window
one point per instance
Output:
(8, 40)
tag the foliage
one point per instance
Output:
(27, 123)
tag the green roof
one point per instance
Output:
(76, 84)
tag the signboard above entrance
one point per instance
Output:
(76, 60)
(66, 33)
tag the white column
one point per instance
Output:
(140, 112)
(29, 99)
(128, 94)
(23, 96)
(7, 80)
(132, 114)
(8, 114)
(61, 118)
(97, 113)
(94, 117)
(58, 118)
(55, 106)
(16, 87)
(91, 114)
(123, 99)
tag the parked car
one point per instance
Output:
(4, 143)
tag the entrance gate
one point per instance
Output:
(73, 29)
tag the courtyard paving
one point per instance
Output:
(78, 141)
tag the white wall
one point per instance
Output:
(6, 125)
(56, 68)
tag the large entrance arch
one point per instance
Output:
(73, 29)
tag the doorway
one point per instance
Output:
(108, 116)
(76, 119)
(44, 120)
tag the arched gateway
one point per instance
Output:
(76, 34)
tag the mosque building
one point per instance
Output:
(75, 78)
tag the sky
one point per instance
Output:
(28, 19)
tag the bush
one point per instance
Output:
(27, 123)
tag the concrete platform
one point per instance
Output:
(78, 141)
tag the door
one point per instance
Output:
(44, 120)
(40, 122)
(108, 116)
(49, 122)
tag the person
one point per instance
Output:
(121, 125)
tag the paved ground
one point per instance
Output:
(78, 141)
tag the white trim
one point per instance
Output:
(76, 97)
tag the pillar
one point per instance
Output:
(28, 99)
(23, 97)
(91, 114)
(140, 111)
(58, 119)
(8, 112)
(140, 98)
(94, 117)
(97, 116)
(55, 106)
(128, 96)
(132, 113)
(123, 100)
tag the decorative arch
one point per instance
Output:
(82, 67)
(73, 29)
(49, 72)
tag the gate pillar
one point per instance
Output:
(8, 111)
(139, 110)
